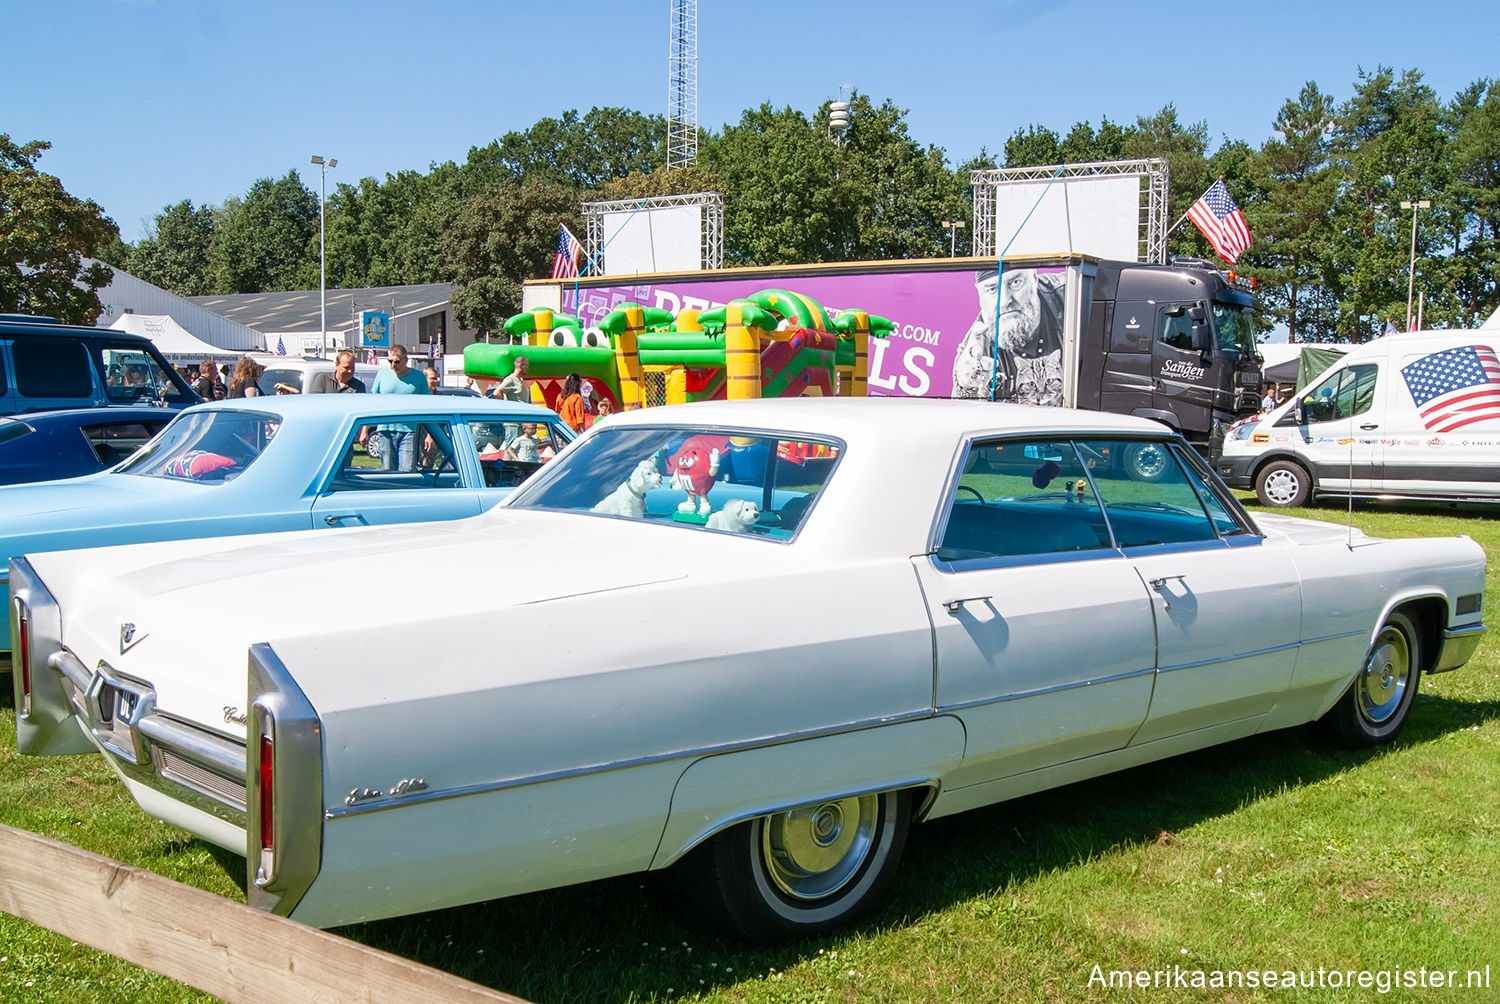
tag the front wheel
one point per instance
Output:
(1374, 708)
(1283, 484)
(803, 871)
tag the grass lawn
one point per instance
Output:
(1278, 852)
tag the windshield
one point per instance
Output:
(1236, 327)
(210, 447)
(132, 374)
(754, 483)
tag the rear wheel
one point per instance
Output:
(1283, 484)
(1146, 461)
(804, 871)
(1375, 707)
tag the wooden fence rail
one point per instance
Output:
(218, 946)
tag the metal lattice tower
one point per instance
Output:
(682, 84)
(1153, 211)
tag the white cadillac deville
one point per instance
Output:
(757, 639)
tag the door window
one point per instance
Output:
(1344, 394)
(1176, 331)
(1147, 496)
(1022, 498)
(421, 456)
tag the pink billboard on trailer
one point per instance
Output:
(941, 341)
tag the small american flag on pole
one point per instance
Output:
(565, 263)
(280, 346)
(1221, 222)
(1455, 387)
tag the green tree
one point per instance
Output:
(268, 240)
(579, 151)
(793, 195)
(176, 256)
(1290, 221)
(1033, 146)
(1471, 268)
(1184, 149)
(496, 238)
(1389, 146)
(45, 237)
(783, 200)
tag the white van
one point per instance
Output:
(1405, 416)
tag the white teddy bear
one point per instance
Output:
(738, 515)
(629, 499)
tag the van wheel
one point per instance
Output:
(801, 872)
(1374, 708)
(1283, 484)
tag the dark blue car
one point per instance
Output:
(49, 445)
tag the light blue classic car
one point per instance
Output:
(288, 463)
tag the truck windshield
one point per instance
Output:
(1235, 327)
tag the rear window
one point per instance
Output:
(274, 375)
(52, 368)
(209, 447)
(749, 483)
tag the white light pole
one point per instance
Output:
(322, 259)
(1411, 278)
(954, 226)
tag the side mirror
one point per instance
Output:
(1202, 341)
(1197, 314)
(1299, 411)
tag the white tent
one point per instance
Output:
(1493, 322)
(173, 340)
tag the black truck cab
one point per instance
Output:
(1178, 345)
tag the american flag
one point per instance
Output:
(565, 263)
(280, 346)
(1455, 387)
(1221, 222)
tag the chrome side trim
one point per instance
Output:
(503, 784)
(984, 701)
(1245, 655)
(1457, 647)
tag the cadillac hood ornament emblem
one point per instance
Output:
(128, 637)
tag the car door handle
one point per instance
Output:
(954, 606)
(338, 518)
(1371, 425)
(1159, 584)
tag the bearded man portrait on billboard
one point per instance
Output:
(1027, 368)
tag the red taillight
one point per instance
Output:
(267, 792)
(23, 655)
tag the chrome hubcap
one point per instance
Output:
(1282, 487)
(1385, 677)
(1149, 461)
(815, 850)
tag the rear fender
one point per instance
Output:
(45, 725)
(719, 791)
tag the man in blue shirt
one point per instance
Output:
(398, 441)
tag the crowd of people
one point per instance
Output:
(395, 444)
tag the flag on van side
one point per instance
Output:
(1455, 387)
(1221, 222)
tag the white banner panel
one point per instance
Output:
(1098, 216)
(668, 239)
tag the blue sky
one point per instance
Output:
(148, 102)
